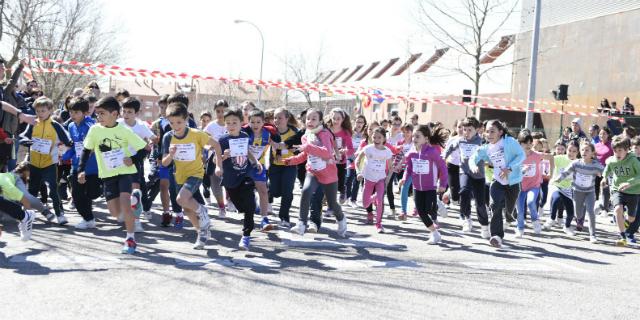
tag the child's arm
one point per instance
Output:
(358, 159)
(635, 167)
(570, 170)
(63, 135)
(319, 151)
(442, 173)
(296, 160)
(218, 154)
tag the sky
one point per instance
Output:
(201, 37)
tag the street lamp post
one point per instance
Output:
(261, 58)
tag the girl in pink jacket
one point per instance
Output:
(317, 149)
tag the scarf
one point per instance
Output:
(311, 134)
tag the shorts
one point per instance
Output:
(259, 177)
(164, 172)
(192, 184)
(625, 199)
(114, 186)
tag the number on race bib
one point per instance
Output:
(584, 180)
(317, 163)
(420, 166)
(239, 147)
(185, 152)
(42, 146)
(113, 159)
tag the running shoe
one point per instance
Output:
(166, 219)
(312, 228)
(201, 239)
(299, 228)
(62, 220)
(231, 207)
(568, 231)
(442, 210)
(467, 225)
(379, 229)
(265, 225)
(342, 227)
(203, 217)
(245, 243)
(593, 239)
(496, 242)
(222, 213)
(26, 225)
(50, 216)
(631, 238)
(484, 232)
(537, 228)
(519, 233)
(284, 224)
(129, 246)
(147, 215)
(622, 242)
(178, 222)
(138, 226)
(435, 238)
(84, 224)
(402, 216)
(328, 213)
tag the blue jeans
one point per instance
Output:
(557, 200)
(48, 175)
(281, 182)
(470, 187)
(530, 198)
(404, 194)
(501, 196)
(352, 185)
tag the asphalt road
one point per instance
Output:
(63, 273)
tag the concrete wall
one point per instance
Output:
(597, 58)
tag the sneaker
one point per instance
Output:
(537, 228)
(84, 224)
(568, 231)
(312, 228)
(178, 222)
(631, 238)
(343, 199)
(442, 210)
(270, 209)
(265, 225)
(593, 239)
(147, 215)
(222, 213)
(138, 226)
(201, 239)
(71, 205)
(467, 225)
(129, 246)
(353, 204)
(415, 213)
(231, 207)
(121, 218)
(244, 243)
(379, 229)
(622, 242)
(26, 225)
(328, 213)
(496, 242)
(392, 215)
(403, 216)
(342, 227)
(284, 224)
(203, 218)
(435, 238)
(136, 203)
(519, 233)
(550, 223)
(62, 220)
(369, 217)
(49, 216)
(484, 232)
(166, 219)
(299, 228)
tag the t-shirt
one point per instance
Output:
(394, 139)
(237, 166)
(215, 130)
(498, 160)
(532, 171)
(187, 159)
(560, 164)
(284, 153)
(375, 167)
(8, 185)
(140, 128)
(626, 170)
(111, 146)
(584, 174)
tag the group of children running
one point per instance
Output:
(237, 152)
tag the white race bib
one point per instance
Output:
(185, 152)
(584, 180)
(530, 170)
(546, 167)
(316, 163)
(378, 166)
(257, 151)
(467, 149)
(239, 147)
(497, 159)
(79, 147)
(284, 152)
(356, 142)
(113, 159)
(42, 146)
(339, 142)
(420, 166)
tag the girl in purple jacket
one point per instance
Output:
(428, 171)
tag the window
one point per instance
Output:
(412, 107)
(424, 107)
(391, 107)
(376, 107)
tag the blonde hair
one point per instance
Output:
(43, 102)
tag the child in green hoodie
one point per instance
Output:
(624, 167)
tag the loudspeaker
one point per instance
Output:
(563, 92)
(466, 95)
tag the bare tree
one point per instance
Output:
(469, 28)
(59, 29)
(302, 68)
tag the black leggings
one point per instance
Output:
(390, 197)
(606, 193)
(11, 208)
(244, 200)
(454, 181)
(342, 178)
(427, 205)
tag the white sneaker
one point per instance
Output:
(392, 215)
(26, 225)
(467, 225)
(342, 227)
(519, 233)
(203, 217)
(569, 231)
(550, 223)
(593, 239)
(435, 238)
(201, 239)
(442, 210)
(299, 228)
(283, 224)
(495, 241)
(138, 226)
(270, 209)
(121, 217)
(312, 228)
(353, 204)
(83, 225)
(484, 232)
(222, 213)
(71, 205)
(147, 215)
(537, 228)
(62, 220)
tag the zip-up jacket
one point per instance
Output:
(426, 168)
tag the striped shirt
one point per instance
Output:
(583, 174)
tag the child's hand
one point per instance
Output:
(440, 190)
(298, 148)
(259, 167)
(624, 186)
(148, 147)
(173, 149)
(127, 162)
(218, 172)
(360, 177)
(226, 154)
(504, 173)
(81, 178)
(401, 182)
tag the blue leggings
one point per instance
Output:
(530, 199)
(404, 194)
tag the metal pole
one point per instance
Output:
(535, 37)
(261, 58)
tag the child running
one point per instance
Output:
(563, 196)
(359, 134)
(216, 129)
(377, 171)
(584, 171)
(426, 167)
(282, 177)
(404, 148)
(13, 198)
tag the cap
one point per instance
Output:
(578, 121)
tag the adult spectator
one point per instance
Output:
(627, 107)
(93, 89)
(594, 132)
(603, 152)
(414, 120)
(614, 108)
(604, 106)
(576, 130)
(566, 135)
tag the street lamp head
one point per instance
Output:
(238, 21)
